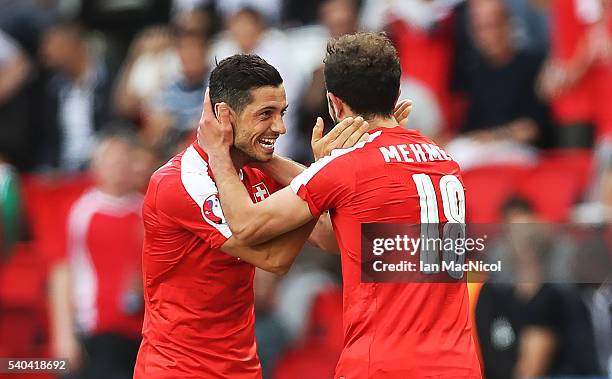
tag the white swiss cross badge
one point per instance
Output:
(260, 192)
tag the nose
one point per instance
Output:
(279, 126)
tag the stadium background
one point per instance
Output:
(517, 90)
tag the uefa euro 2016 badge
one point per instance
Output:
(211, 210)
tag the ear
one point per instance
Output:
(337, 107)
(217, 109)
(232, 114)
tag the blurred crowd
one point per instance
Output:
(95, 95)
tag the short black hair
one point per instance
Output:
(363, 70)
(232, 80)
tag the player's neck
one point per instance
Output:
(382, 122)
(239, 159)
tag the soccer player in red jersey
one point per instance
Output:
(392, 330)
(198, 277)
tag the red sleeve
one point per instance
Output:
(325, 184)
(193, 204)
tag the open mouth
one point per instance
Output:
(267, 143)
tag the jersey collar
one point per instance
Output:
(204, 156)
(395, 129)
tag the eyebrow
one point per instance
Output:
(272, 108)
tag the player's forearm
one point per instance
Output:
(244, 218)
(276, 255)
(281, 169)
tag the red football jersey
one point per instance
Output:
(393, 330)
(199, 313)
(104, 250)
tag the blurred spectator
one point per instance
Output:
(539, 329)
(338, 17)
(119, 20)
(504, 114)
(270, 333)
(144, 161)
(248, 33)
(10, 209)
(578, 76)
(269, 9)
(174, 115)
(96, 293)
(202, 20)
(25, 20)
(152, 63)
(15, 69)
(423, 34)
(593, 308)
(531, 22)
(77, 99)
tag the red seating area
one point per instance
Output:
(47, 203)
(552, 186)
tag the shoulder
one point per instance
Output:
(83, 209)
(340, 163)
(183, 181)
(86, 202)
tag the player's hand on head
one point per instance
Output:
(402, 111)
(345, 134)
(215, 134)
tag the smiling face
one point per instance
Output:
(260, 123)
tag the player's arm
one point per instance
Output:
(254, 223)
(276, 255)
(284, 170)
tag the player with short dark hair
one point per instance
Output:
(364, 71)
(392, 330)
(198, 276)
